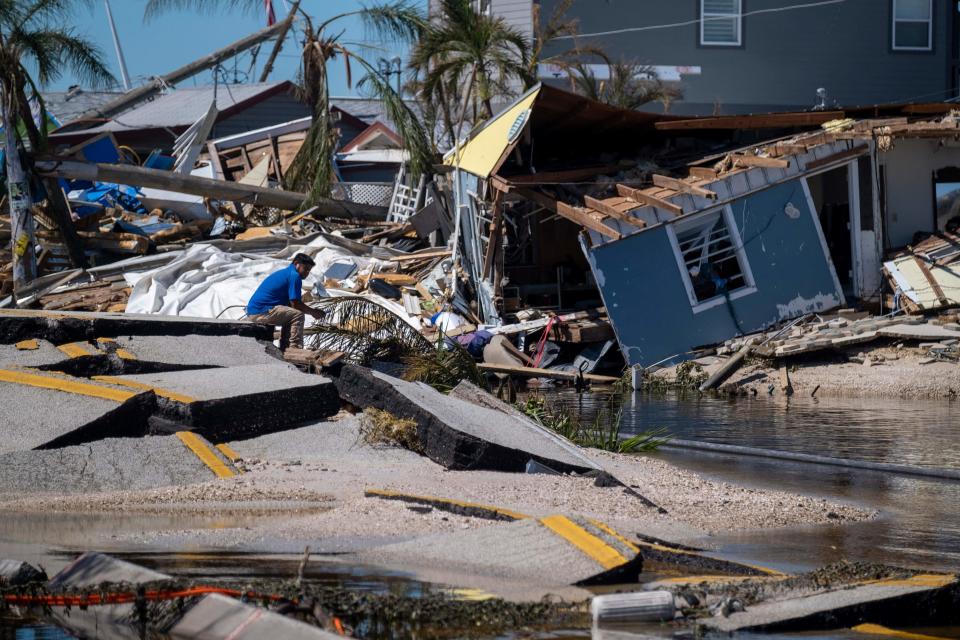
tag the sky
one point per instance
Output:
(180, 37)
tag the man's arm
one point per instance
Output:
(319, 314)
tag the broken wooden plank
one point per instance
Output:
(704, 173)
(785, 385)
(643, 198)
(932, 281)
(534, 372)
(582, 217)
(423, 255)
(760, 161)
(679, 185)
(727, 367)
(609, 210)
(789, 148)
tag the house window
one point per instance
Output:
(913, 25)
(720, 22)
(482, 7)
(711, 259)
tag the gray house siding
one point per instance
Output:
(784, 56)
(646, 297)
(276, 109)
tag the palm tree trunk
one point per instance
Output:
(18, 192)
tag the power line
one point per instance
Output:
(688, 23)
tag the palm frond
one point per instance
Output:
(405, 121)
(400, 21)
(156, 8)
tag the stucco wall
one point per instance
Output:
(909, 168)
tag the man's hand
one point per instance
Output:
(319, 314)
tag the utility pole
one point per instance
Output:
(116, 46)
(268, 67)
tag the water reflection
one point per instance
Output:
(920, 518)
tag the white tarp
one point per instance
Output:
(206, 282)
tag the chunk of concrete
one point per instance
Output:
(918, 331)
(887, 601)
(455, 433)
(14, 573)
(550, 551)
(470, 392)
(233, 403)
(47, 410)
(113, 464)
(218, 617)
(71, 326)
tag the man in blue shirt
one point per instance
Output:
(279, 301)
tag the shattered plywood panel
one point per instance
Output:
(926, 285)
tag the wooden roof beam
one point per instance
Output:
(685, 187)
(642, 198)
(704, 173)
(582, 217)
(760, 161)
(608, 210)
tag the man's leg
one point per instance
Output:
(290, 321)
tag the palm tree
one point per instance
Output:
(398, 20)
(34, 36)
(467, 55)
(629, 85)
(558, 26)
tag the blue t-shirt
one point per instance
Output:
(277, 290)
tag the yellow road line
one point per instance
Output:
(933, 580)
(165, 393)
(28, 345)
(611, 532)
(65, 384)
(595, 548)
(506, 513)
(637, 546)
(120, 351)
(203, 451)
(77, 349)
(228, 451)
(710, 579)
(876, 629)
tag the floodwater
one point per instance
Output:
(919, 521)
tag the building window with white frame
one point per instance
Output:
(912, 25)
(711, 258)
(721, 23)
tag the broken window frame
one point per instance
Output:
(895, 21)
(712, 16)
(703, 219)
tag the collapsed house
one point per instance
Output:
(690, 235)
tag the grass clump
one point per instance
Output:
(603, 432)
(384, 428)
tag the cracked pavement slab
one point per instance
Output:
(46, 409)
(107, 465)
(239, 402)
(201, 351)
